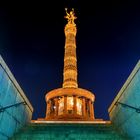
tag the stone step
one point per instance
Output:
(68, 132)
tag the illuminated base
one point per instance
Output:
(96, 121)
(70, 104)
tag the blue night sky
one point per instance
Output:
(108, 47)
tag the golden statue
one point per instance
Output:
(70, 16)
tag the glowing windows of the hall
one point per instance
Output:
(79, 106)
(61, 106)
(70, 104)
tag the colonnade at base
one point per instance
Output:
(70, 107)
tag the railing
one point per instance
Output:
(14, 105)
(125, 105)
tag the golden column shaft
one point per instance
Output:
(70, 60)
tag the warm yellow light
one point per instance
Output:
(70, 61)
(70, 16)
(61, 106)
(70, 103)
(79, 106)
